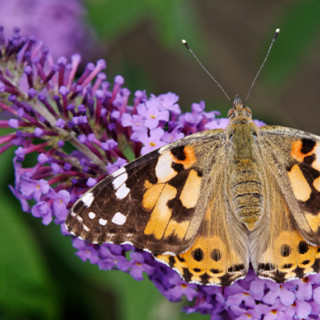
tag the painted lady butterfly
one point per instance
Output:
(209, 204)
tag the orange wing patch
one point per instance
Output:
(157, 198)
(191, 190)
(189, 158)
(299, 184)
(304, 148)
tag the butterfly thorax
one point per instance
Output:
(245, 180)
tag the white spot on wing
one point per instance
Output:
(119, 180)
(119, 219)
(79, 219)
(87, 199)
(85, 228)
(102, 221)
(91, 215)
(164, 170)
(122, 192)
(119, 172)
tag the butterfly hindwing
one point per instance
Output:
(153, 202)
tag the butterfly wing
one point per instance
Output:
(219, 254)
(156, 202)
(281, 245)
(297, 158)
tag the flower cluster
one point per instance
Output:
(76, 130)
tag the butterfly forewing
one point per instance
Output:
(156, 202)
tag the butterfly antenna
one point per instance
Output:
(184, 42)
(262, 65)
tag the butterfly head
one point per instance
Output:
(239, 110)
(241, 126)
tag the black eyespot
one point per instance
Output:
(285, 250)
(215, 254)
(198, 254)
(303, 247)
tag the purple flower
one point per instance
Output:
(153, 112)
(50, 109)
(151, 141)
(139, 266)
(42, 210)
(57, 22)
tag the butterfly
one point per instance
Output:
(213, 202)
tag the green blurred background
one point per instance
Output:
(40, 277)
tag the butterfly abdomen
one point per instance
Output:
(246, 188)
(245, 176)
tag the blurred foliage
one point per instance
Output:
(171, 18)
(40, 277)
(299, 28)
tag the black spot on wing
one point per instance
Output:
(215, 271)
(78, 206)
(226, 280)
(172, 261)
(187, 275)
(303, 247)
(299, 272)
(178, 167)
(316, 265)
(307, 145)
(236, 267)
(285, 250)
(309, 159)
(179, 153)
(197, 254)
(266, 267)
(204, 278)
(180, 259)
(179, 212)
(215, 254)
(179, 180)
